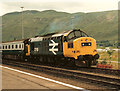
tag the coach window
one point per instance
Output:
(9, 47)
(6, 47)
(19, 45)
(3, 46)
(59, 37)
(16, 46)
(12, 46)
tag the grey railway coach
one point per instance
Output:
(13, 49)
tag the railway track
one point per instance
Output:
(90, 77)
(112, 72)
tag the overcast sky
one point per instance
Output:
(70, 6)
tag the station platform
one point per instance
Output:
(16, 80)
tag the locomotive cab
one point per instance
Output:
(79, 46)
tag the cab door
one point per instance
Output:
(27, 50)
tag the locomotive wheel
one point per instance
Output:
(45, 60)
(50, 60)
(71, 63)
(41, 59)
(85, 63)
(88, 63)
(57, 61)
(53, 61)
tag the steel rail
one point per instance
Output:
(113, 82)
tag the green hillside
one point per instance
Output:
(100, 25)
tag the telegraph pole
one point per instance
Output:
(22, 23)
(72, 21)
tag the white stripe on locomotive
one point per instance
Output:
(53, 44)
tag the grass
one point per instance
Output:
(114, 57)
(102, 47)
(105, 56)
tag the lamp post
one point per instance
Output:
(72, 21)
(22, 23)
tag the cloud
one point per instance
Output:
(70, 6)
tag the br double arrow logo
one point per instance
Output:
(53, 44)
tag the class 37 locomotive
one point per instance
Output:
(73, 45)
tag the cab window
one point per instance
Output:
(71, 35)
(70, 45)
(77, 34)
(83, 34)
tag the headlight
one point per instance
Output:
(86, 44)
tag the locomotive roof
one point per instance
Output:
(40, 38)
(57, 34)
